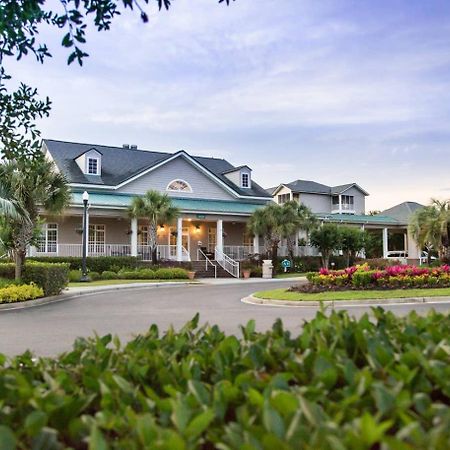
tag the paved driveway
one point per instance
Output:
(50, 329)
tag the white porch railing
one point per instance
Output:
(167, 252)
(227, 263)
(201, 253)
(238, 252)
(305, 250)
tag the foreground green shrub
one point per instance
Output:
(342, 384)
(20, 293)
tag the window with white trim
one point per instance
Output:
(96, 238)
(93, 166)
(245, 180)
(212, 239)
(48, 241)
(179, 186)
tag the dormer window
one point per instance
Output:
(93, 166)
(245, 180)
(179, 186)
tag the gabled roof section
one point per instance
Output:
(120, 165)
(89, 150)
(235, 169)
(345, 187)
(402, 212)
(312, 187)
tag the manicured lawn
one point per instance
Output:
(113, 282)
(283, 294)
(290, 275)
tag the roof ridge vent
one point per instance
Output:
(127, 146)
(133, 147)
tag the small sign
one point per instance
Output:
(286, 263)
(201, 216)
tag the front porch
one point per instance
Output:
(189, 239)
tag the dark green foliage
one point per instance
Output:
(109, 275)
(342, 384)
(51, 277)
(96, 264)
(312, 263)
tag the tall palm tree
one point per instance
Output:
(7, 206)
(267, 222)
(159, 210)
(430, 227)
(33, 186)
(295, 218)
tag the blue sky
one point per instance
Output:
(333, 91)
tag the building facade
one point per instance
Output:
(214, 197)
(345, 205)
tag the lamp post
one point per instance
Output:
(84, 276)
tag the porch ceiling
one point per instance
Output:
(121, 201)
(360, 219)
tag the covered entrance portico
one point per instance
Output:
(202, 227)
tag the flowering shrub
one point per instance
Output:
(20, 293)
(394, 277)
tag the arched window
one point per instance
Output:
(179, 186)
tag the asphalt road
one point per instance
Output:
(51, 329)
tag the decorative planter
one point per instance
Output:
(191, 275)
(246, 273)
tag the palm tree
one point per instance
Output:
(33, 186)
(158, 209)
(296, 217)
(269, 223)
(430, 227)
(7, 206)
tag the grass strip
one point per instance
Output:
(114, 282)
(283, 294)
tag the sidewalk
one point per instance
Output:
(220, 281)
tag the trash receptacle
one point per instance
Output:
(267, 268)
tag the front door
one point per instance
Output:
(185, 241)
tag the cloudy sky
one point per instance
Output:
(332, 91)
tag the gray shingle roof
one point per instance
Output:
(120, 164)
(402, 212)
(312, 187)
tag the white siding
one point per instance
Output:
(359, 200)
(202, 186)
(319, 203)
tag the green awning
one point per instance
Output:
(121, 201)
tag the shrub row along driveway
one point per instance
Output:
(50, 329)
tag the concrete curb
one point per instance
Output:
(81, 292)
(252, 300)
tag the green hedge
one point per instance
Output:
(51, 277)
(312, 263)
(344, 383)
(95, 264)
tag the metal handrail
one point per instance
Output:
(207, 260)
(228, 264)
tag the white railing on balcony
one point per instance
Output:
(76, 250)
(227, 263)
(238, 252)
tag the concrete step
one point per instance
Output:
(200, 272)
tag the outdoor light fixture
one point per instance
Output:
(197, 228)
(84, 276)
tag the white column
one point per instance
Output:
(255, 243)
(385, 242)
(219, 237)
(340, 203)
(363, 251)
(180, 239)
(405, 242)
(134, 237)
